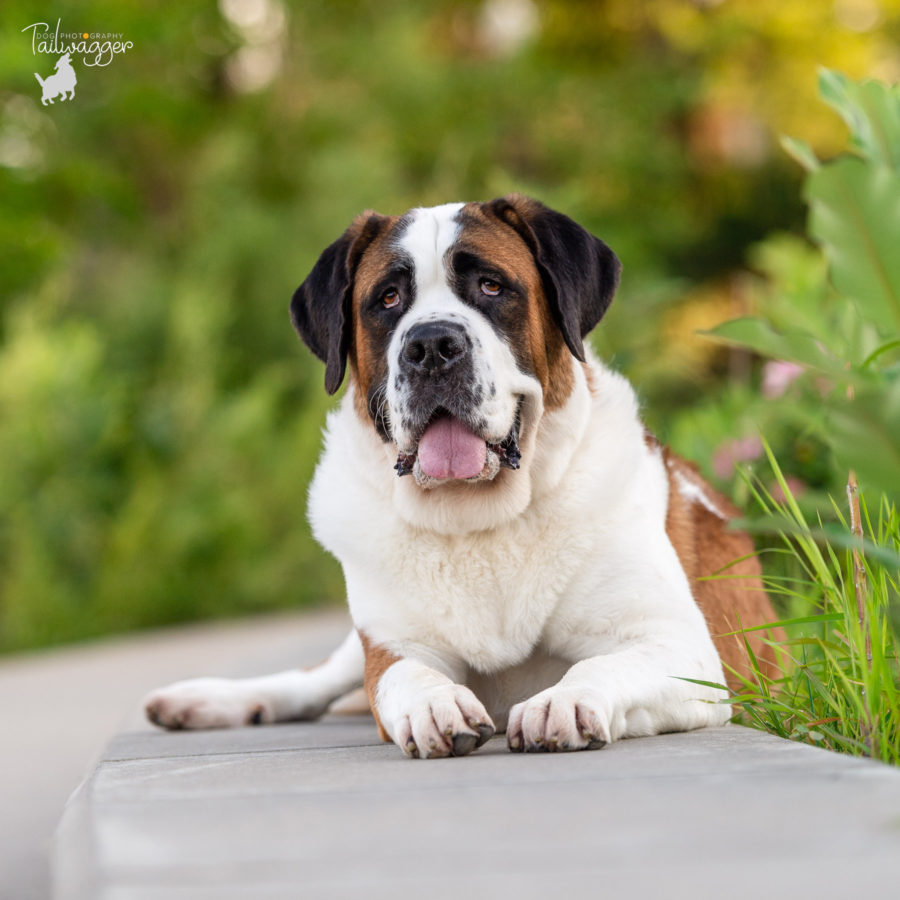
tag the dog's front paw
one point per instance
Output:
(560, 718)
(442, 720)
(207, 703)
(447, 721)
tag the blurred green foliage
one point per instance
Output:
(159, 421)
(842, 325)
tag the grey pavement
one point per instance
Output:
(61, 707)
(326, 810)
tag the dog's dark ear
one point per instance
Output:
(321, 308)
(579, 272)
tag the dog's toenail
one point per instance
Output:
(464, 743)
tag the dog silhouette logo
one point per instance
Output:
(60, 84)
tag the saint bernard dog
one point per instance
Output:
(520, 554)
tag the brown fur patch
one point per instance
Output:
(367, 360)
(541, 348)
(651, 441)
(378, 661)
(706, 546)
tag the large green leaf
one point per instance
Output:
(801, 299)
(855, 215)
(871, 110)
(795, 346)
(865, 434)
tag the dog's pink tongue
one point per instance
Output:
(449, 450)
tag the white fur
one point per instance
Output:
(694, 493)
(552, 591)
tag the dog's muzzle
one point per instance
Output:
(435, 350)
(443, 403)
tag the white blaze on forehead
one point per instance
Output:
(431, 233)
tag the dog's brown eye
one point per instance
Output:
(391, 298)
(489, 287)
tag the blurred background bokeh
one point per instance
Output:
(159, 420)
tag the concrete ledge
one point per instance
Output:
(326, 810)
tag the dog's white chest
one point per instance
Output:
(487, 597)
(490, 597)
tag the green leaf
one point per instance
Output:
(866, 438)
(800, 152)
(775, 523)
(871, 110)
(833, 89)
(855, 215)
(880, 351)
(797, 293)
(787, 623)
(797, 346)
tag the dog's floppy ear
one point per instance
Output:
(579, 272)
(321, 308)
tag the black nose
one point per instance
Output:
(434, 347)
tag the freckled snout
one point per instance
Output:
(433, 349)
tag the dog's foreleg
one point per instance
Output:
(630, 693)
(419, 704)
(633, 636)
(291, 695)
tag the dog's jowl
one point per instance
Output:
(520, 553)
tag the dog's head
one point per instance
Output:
(459, 324)
(64, 60)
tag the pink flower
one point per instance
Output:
(732, 452)
(777, 377)
(794, 485)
